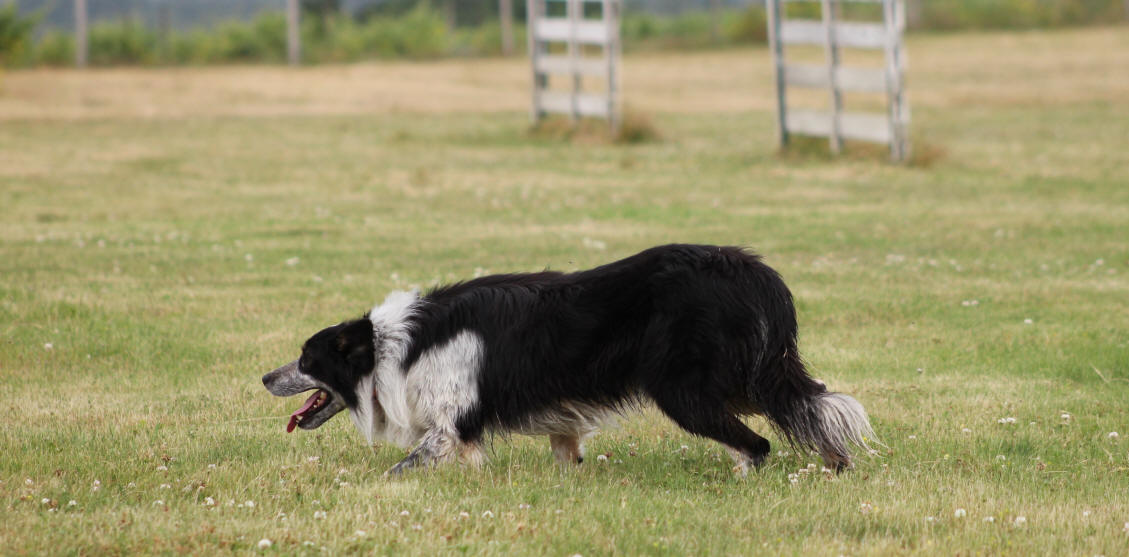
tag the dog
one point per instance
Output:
(705, 333)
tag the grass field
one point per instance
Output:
(167, 236)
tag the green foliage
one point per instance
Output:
(417, 30)
(55, 48)
(1016, 14)
(15, 32)
(419, 33)
(122, 43)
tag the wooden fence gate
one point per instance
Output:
(832, 34)
(575, 39)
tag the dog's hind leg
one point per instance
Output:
(567, 448)
(709, 418)
(741, 461)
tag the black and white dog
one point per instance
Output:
(706, 333)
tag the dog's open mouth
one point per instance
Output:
(316, 402)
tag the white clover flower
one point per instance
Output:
(165, 486)
(464, 514)
(965, 430)
(989, 519)
(292, 261)
(1007, 420)
(159, 502)
(211, 467)
(48, 346)
(865, 508)
(1085, 514)
(72, 503)
(249, 504)
(913, 437)
(209, 502)
(523, 506)
(1028, 321)
(959, 513)
(29, 481)
(405, 513)
(45, 501)
(162, 468)
(319, 515)
(1001, 457)
(312, 458)
(930, 518)
(264, 543)
(1065, 416)
(601, 458)
(1113, 435)
(488, 514)
(360, 533)
(1020, 520)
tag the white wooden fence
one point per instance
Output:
(832, 34)
(573, 32)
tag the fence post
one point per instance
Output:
(831, 51)
(532, 14)
(774, 16)
(506, 14)
(293, 33)
(80, 41)
(612, 50)
(894, 16)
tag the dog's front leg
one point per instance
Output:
(435, 447)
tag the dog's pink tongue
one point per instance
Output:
(294, 417)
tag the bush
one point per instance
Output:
(126, 42)
(414, 30)
(55, 48)
(15, 33)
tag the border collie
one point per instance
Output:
(706, 333)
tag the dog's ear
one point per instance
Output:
(355, 339)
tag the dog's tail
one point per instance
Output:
(810, 417)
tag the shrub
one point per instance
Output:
(125, 42)
(55, 48)
(15, 33)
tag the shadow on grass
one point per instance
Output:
(635, 128)
(923, 154)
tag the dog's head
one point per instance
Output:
(334, 361)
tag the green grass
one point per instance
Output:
(171, 261)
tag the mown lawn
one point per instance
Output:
(158, 255)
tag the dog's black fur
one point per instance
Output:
(706, 333)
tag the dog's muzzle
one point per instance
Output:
(288, 381)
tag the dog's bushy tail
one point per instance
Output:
(810, 417)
